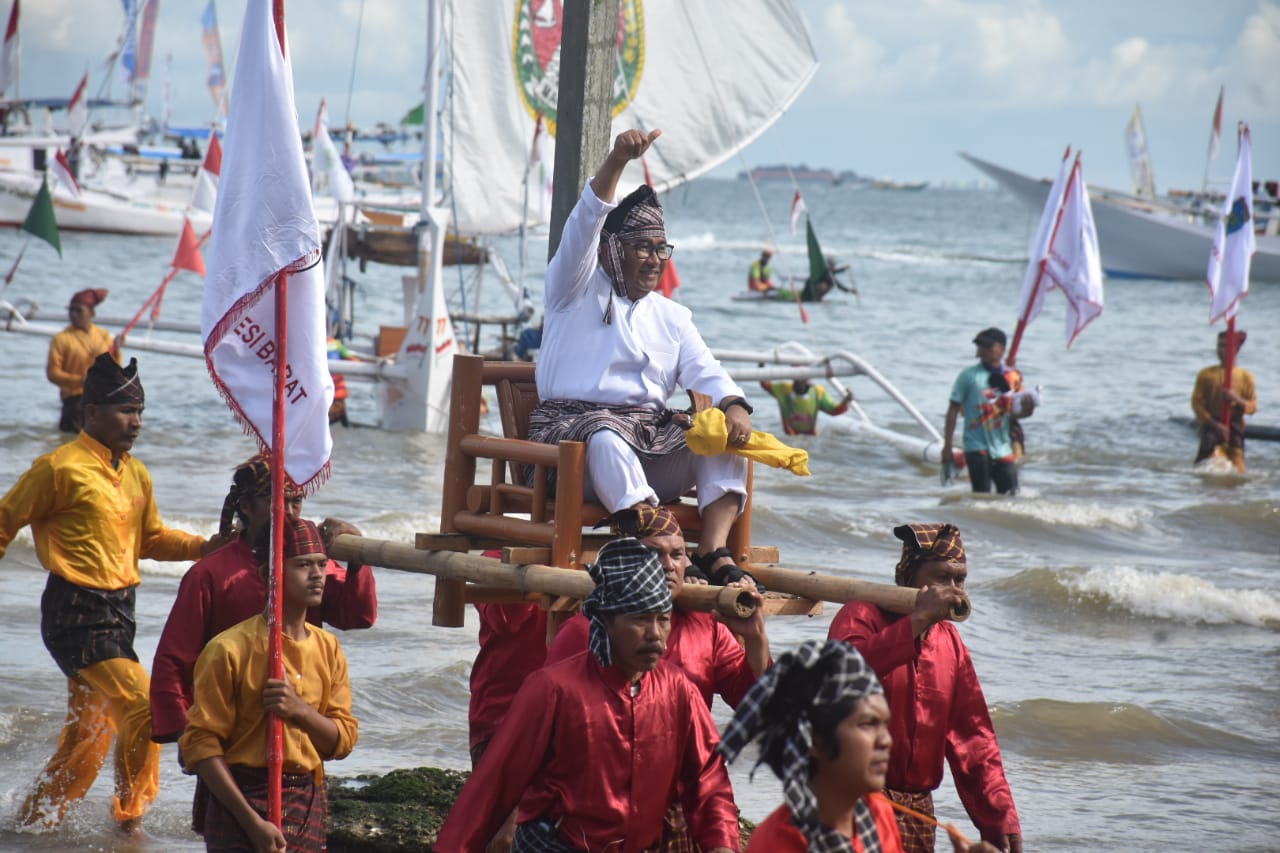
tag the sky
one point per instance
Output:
(902, 85)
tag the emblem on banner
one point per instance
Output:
(535, 55)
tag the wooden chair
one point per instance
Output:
(506, 512)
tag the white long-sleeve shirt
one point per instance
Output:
(637, 360)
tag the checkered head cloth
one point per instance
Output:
(301, 538)
(252, 478)
(629, 579)
(637, 217)
(644, 521)
(924, 542)
(777, 710)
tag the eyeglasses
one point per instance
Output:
(645, 248)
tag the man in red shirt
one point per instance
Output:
(225, 588)
(594, 747)
(937, 705)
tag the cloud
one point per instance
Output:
(1258, 52)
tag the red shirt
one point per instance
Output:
(699, 644)
(938, 711)
(777, 834)
(579, 746)
(513, 643)
(222, 590)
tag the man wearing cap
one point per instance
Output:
(92, 514)
(981, 392)
(760, 276)
(938, 709)
(71, 353)
(1209, 398)
(612, 355)
(225, 588)
(595, 747)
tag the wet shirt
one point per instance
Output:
(987, 417)
(222, 590)
(581, 747)
(227, 718)
(1208, 396)
(703, 648)
(939, 712)
(91, 522)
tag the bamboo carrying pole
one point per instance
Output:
(570, 583)
(575, 583)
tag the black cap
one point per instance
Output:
(991, 336)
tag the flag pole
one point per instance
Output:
(275, 601)
(1012, 357)
(1228, 365)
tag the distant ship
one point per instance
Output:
(797, 173)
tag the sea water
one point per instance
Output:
(1126, 623)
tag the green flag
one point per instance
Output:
(40, 220)
(413, 117)
(817, 264)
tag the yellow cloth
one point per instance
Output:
(91, 522)
(109, 697)
(709, 436)
(71, 354)
(1208, 396)
(227, 718)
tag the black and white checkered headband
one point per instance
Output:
(629, 579)
(637, 217)
(776, 710)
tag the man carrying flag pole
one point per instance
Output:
(1228, 279)
(263, 325)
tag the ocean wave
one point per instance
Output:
(1052, 729)
(1052, 513)
(1170, 596)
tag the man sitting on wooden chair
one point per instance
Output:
(612, 355)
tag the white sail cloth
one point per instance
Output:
(713, 77)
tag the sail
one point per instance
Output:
(1135, 141)
(211, 39)
(672, 74)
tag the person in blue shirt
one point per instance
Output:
(983, 393)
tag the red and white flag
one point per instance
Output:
(9, 53)
(1074, 265)
(265, 225)
(1215, 135)
(325, 160)
(205, 195)
(1234, 242)
(797, 208)
(1033, 288)
(78, 109)
(61, 168)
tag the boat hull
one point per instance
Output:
(96, 211)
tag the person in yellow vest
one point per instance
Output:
(760, 276)
(1210, 395)
(71, 353)
(800, 401)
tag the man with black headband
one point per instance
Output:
(595, 747)
(983, 394)
(933, 691)
(612, 355)
(92, 514)
(225, 588)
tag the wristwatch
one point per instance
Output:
(736, 401)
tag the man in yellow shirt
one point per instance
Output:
(1209, 398)
(92, 516)
(72, 352)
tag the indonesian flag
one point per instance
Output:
(1074, 265)
(61, 168)
(797, 208)
(1033, 290)
(205, 195)
(78, 109)
(325, 159)
(9, 53)
(264, 225)
(1215, 135)
(1234, 242)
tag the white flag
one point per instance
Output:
(1074, 265)
(61, 169)
(9, 53)
(797, 208)
(325, 159)
(78, 109)
(1234, 242)
(1032, 297)
(264, 224)
(204, 196)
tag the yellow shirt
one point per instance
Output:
(1208, 396)
(71, 354)
(91, 522)
(227, 718)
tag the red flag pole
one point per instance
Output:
(1012, 356)
(1228, 365)
(275, 602)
